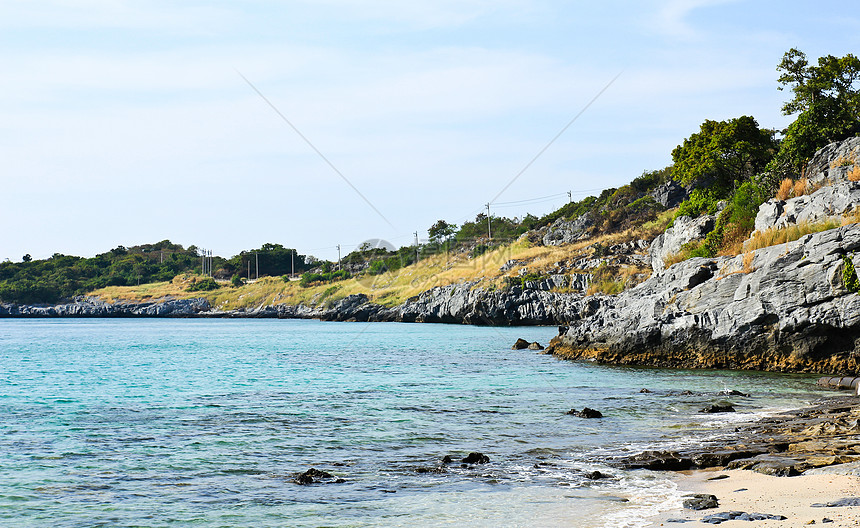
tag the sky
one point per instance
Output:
(317, 123)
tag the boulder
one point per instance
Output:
(315, 476)
(683, 231)
(476, 458)
(585, 413)
(701, 501)
(521, 344)
(535, 346)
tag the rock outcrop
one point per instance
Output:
(94, 307)
(568, 231)
(684, 230)
(827, 202)
(670, 194)
(833, 162)
(785, 309)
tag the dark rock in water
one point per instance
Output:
(656, 460)
(686, 393)
(596, 475)
(535, 346)
(644, 391)
(476, 458)
(701, 501)
(848, 501)
(314, 476)
(521, 344)
(447, 459)
(718, 409)
(437, 469)
(732, 392)
(585, 413)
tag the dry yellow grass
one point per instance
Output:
(773, 237)
(395, 287)
(854, 174)
(785, 188)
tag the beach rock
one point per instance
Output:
(476, 458)
(521, 344)
(732, 392)
(701, 501)
(848, 501)
(716, 408)
(655, 460)
(683, 231)
(585, 413)
(596, 475)
(535, 346)
(775, 466)
(719, 518)
(447, 459)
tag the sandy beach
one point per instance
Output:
(751, 492)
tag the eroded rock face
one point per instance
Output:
(670, 194)
(568, 231)
(684, 230)
(833, 162)
(94, 307)
(785, 310)
(827, 202)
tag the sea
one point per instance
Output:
(208, 423)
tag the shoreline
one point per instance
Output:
(799, 458)
(752, 492)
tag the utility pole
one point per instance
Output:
(569, 196)
(293, 257)
(489, 230)
(338, 257)
(249, 269)
(417, 248)
(257, 256)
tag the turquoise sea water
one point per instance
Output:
(156, 422)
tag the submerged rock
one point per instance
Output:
(315, 476)
(716, 408)
(585, 413)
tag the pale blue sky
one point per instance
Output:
(127, 122)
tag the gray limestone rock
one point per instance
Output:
(684, 230)
(670, 194)
(827, 202)
(568, 231)
(832, 163)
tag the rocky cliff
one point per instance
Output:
(784, 308)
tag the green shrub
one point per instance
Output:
(204, 284)
(849, 275)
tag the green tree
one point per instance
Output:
(826, 99)
(441, 231)
(729, 152)
(26, 258)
